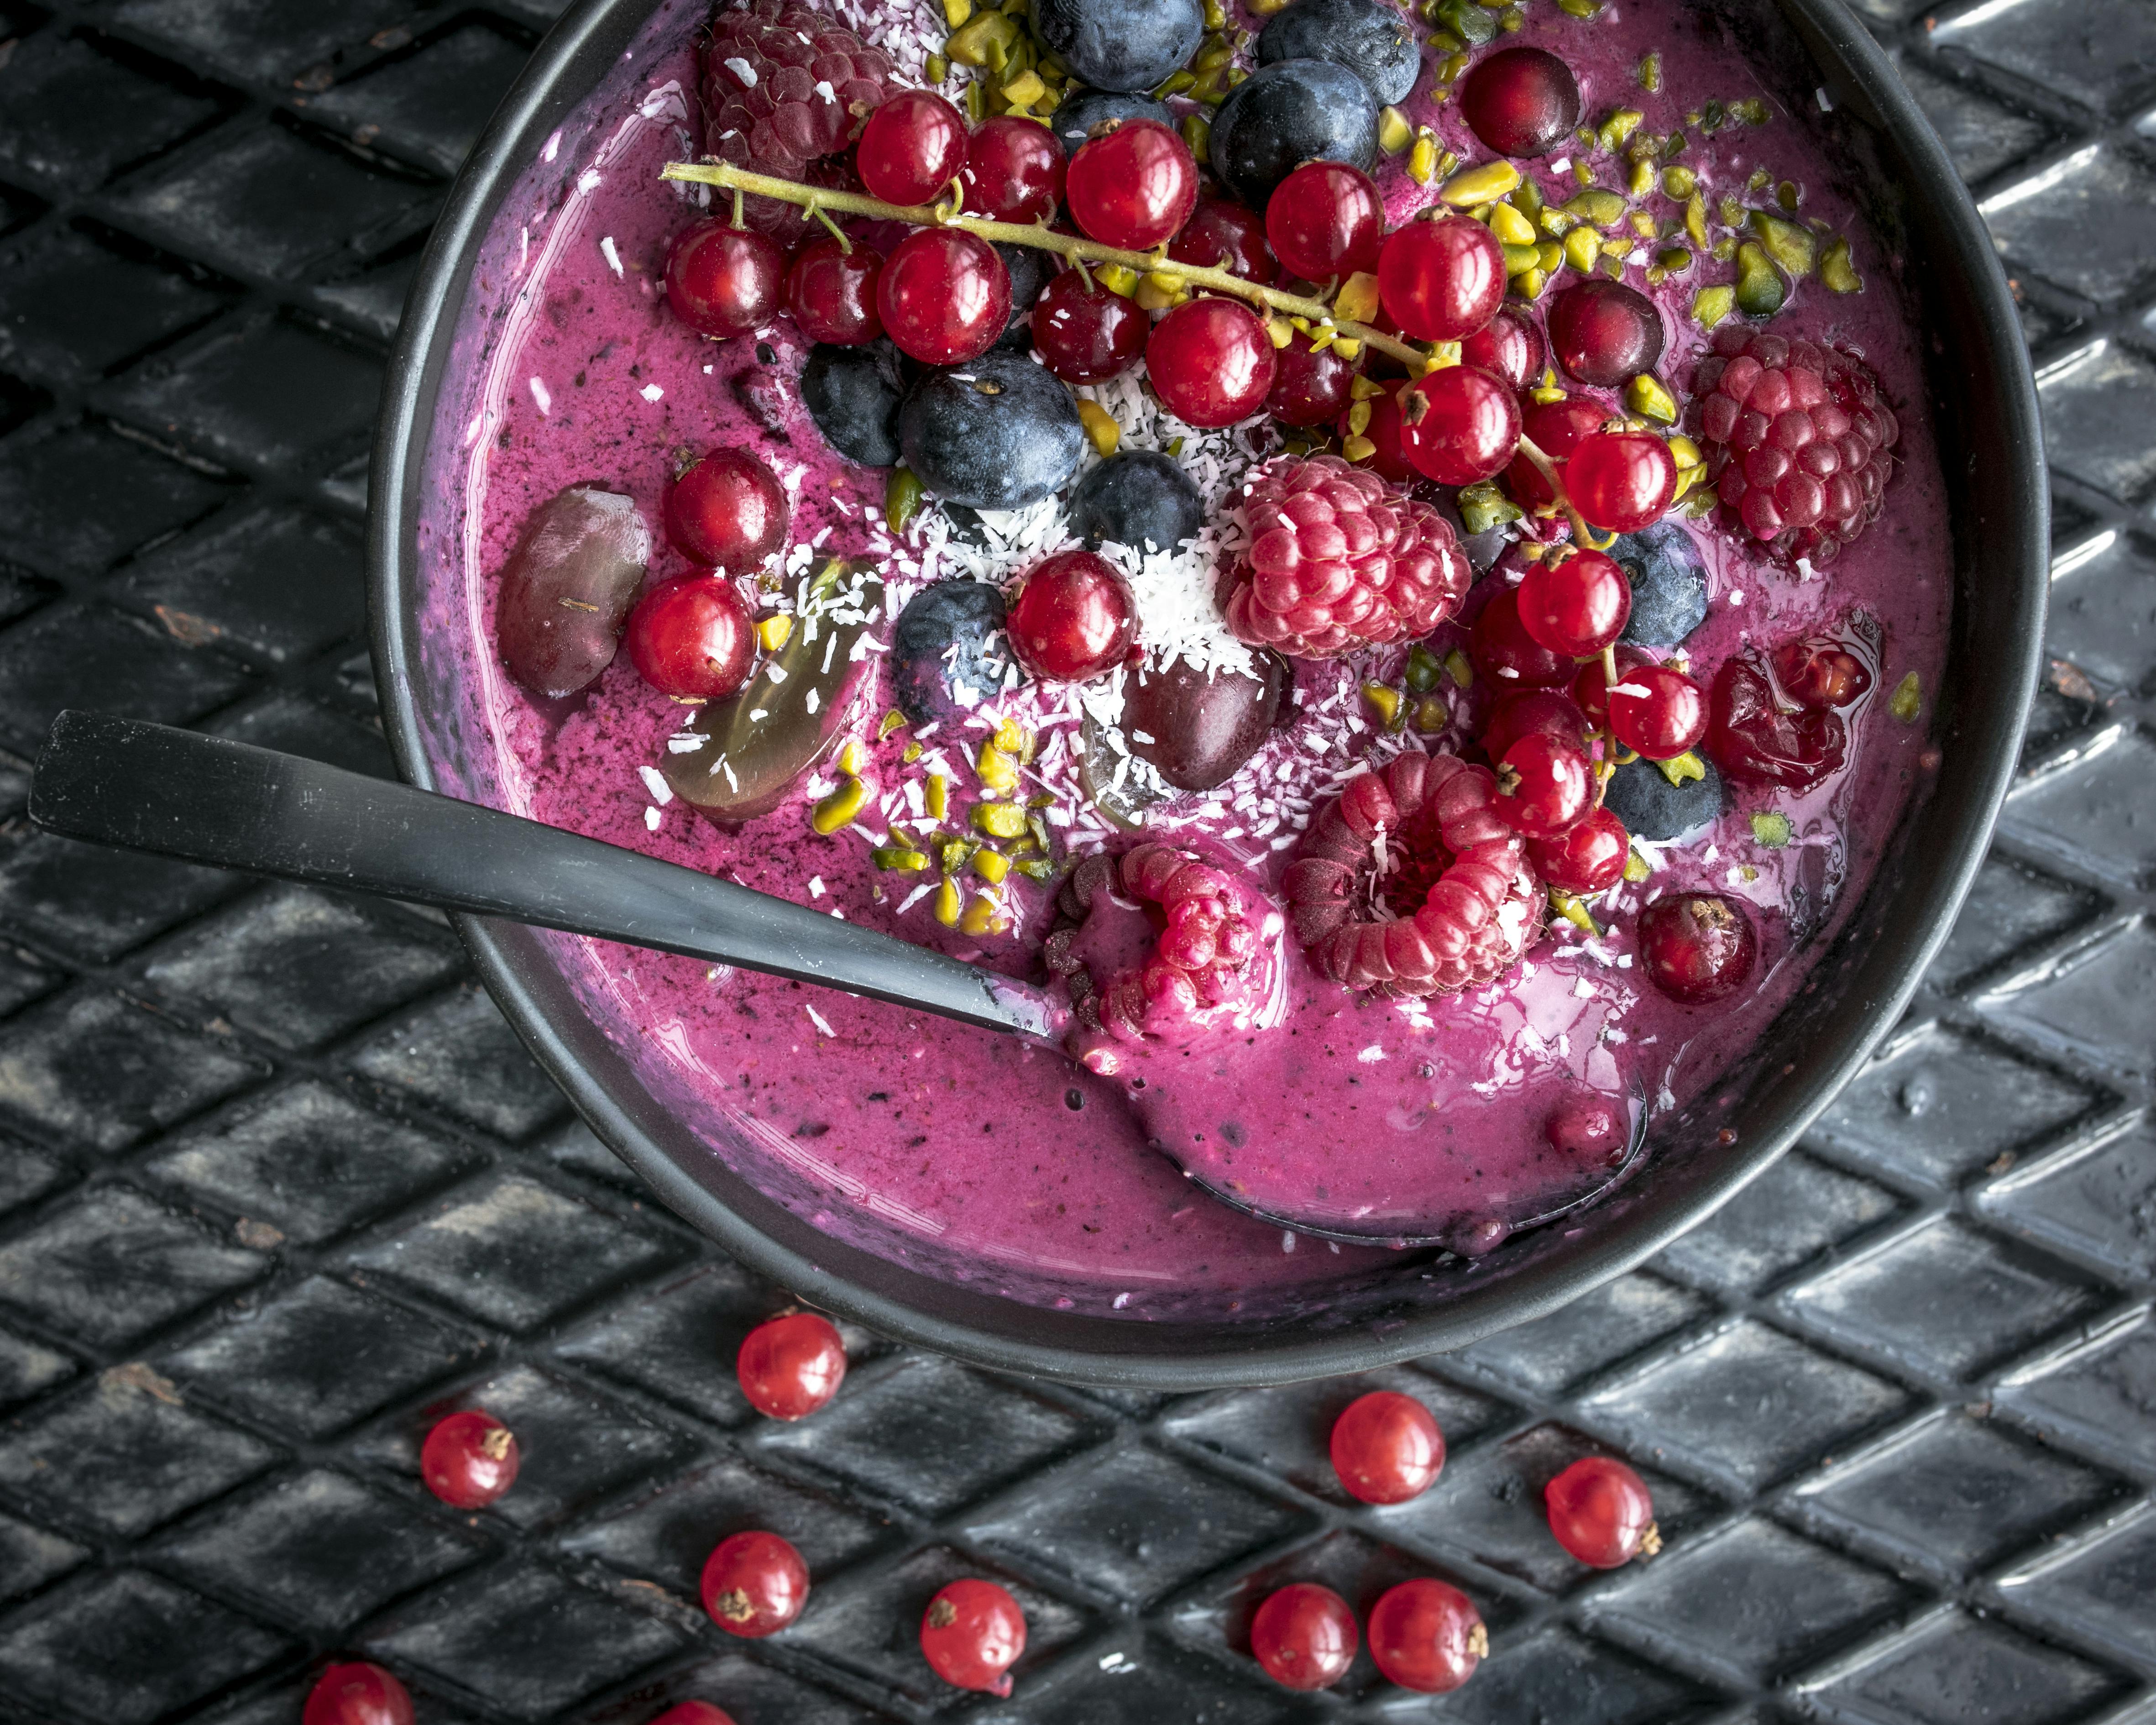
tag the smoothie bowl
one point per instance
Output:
(1461, 587)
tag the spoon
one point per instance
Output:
(116, 781)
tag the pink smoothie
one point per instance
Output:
(1346, 1114)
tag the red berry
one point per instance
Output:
(1387, 458)
(724, 280)
(1310, 387)
(1589, 857)
(728, 512)
(1543, 787)
(1427, 1636)
(1595, 1129)
(791, 1366)
(357, 1694)
(1600, 1511)
(1071, 617)
(944, 296)
(1502, 649)
(972, 1633)
(1014, 171)
(1442, 279)
(1387, 1448)
(1210, 361)
(754, 1584)
(831, 290)
(1304, 1636)
(1817, 673)
(1226, 236)
(1697, 947)
(1133, 187)
(1521, 101)
(1326, 220)
(1753, 741)
(1621, 481)
(693, 1713)
(1590, 689)
(469, 1460)
(1658, 710)
(1576, 607)
(1525, 712)
(1086, 334)
(690, 638)
(911, 148)
(1603, 332)
(1555, 427)
(1458, 425)
(1507, 347)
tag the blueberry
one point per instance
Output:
(1136, 498)
(966, 525)
(998, 432)
(1669, 584)
(1077, 115)
(1642, 796)
(958, 613)
(853, 394)
(1372, 40)
(1286, 114)
(1029, 268)
(1120, 44)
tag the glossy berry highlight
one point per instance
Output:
(972, 1633)
(1222, 235)
(1458, 425)
(469, 1460)
(1441, 280)
(1657, 710)
(1211, 362)
(1521, 101)
(1595, 1130)
(789, 1366)
(723, 280)
(1304, 1636)
(728, 512)
(1600, 1511)
(911, 148)
(357, 1693)
(1587, 857)
(1387, 1448)
(1071, 617)
(1603, 332)
(1325, 221)
(1086, 334)
(1014, 170)
(1577, 605)
(1133, 187)
(1543, 787)
(1697, 947)
(831, 291)
(944, 296)
(1427, 1636)
(754, 1584)
(1621, 481)
(691, 638)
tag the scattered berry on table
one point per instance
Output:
(1286, 114)
(1603, 332)
(996, 432)
(1697, 947)
(1508, 347)
(1133, 185)
(1140, 498)
(1204, 725)
(1014, 170)
(469, 1460)
(1427, 1636)
(1120, 44)
(1221, 235)
(1443, 279)
(1078, 113)
(944, 296)
(1587, 857)
(723, 280)
(1597, 1130)
(1657, 712)
(1071, 617)
(972, 1633)
(1326, 220)
(1600, 1511)
(1304, 1636)
(728, 512)
(1376, 42)
(1502, 649)
(1669, 583)
(1210, 361)
(1458, 425)
(1387, 1448)
(791, 1366)
(754, 1584)
(1544, 787)
(1621, 481)
(1084, 333)
(831, 291)
(1521, 101)
(691, 638)
(1311, 385)
(358, 1693)
(1755, 741)
(1642, 796)
(1576, 606)
(949, 636)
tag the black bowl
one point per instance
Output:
(1984, 406)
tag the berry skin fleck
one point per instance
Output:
(1697, 947)
(791, 1366)
(754, 1584)
(1427, 1636)
(1600, 1511)
(357, 1694)
(972, 1633)
(1304, 1636)
(1387, 1448)
(469, 1460)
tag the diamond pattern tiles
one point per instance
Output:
(278, 1187)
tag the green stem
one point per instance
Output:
(1582, 535)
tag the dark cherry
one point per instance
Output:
(1576, 605)
(1603, 332)
(1595, 1129)
(1134, 186)
(1458, 425)
(1590, 690)
(944, 296)
(1071, 617)
(1387, 1448)
(1204, 725)
(754, 1584)
(972, 1633)
(1529, 712)
(1587, 857)
(1504, 651)
(469, 1460)
(1697, 947)
(831, 291)
(1508, 347)
(1818, 671)
(1389, 458)
(1014, 170)
(1753, 741)
(1621, 481)
(1658, 710)
(911, 148)
(1084, 333)
(789, 1366)
(1326, 220)
(358, 1693)
(1310, 385)
(1221, 235)
(1427, 1636)
(1304, 1636)
(1441, 280)
(1521, 101)
(1555, 427)
(1210, 361)
(1600, 1511)
(1543, 787)
(728, 512)
(724, 280)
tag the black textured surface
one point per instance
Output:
(277, 1187)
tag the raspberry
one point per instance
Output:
(1337, 560)
(785, 87)
(1799, 440)
(1412, 884)
(1199, 964)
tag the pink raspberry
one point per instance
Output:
(1412, 884)
(1339, 560)
(1799, 440)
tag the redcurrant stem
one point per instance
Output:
(1581, 532)
(737, 206)
(839, 234)
(1041, 237)
(1085, 275)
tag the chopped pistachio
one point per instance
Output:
(1519, 260)
(1459, 668)
(1422, 160)
(1394, 134)
(1643, 224)
(1837, 269)
(1481, 184)
(1604, 208)
(1216, 15)
(838, 809)
(1483, 507)
(1198, 134)
(1551, 256)
(1176, 84)
(1582, 173)
(986, 41)
(901, 857)
(991, 864)
(1685, 452)
(937, 68)
(1673, 260)
(1279, 330)
(911, 752)
(1752, 111)
(1682, 769)
(1695, 219)
(1710, 305)
(1724, 250)
(1617, 129)
(1580, 8)
(1358, 448)
(997, 767)
(1116, 278)
(1650, 74)
(957, 12)
(1512, 18)
(1569, 907)
(1636, 868)
(1358, 417)
(1648, 397)
(1364, 389)
(1788, 244)
(949, 902)
(902, 495)
(1731, 212)
(1761, 291)
(771, 631)
(1771, 828)
(1431, 715)
(1640, 180)
(853, 757)
(1908, 702)
(1582, 248)
(1101, 430)
(1385, 702)
(1510, 226)
(1023, 90)
(1358, 299)
(1424, 669)
(976, 101)
(1679, 183)
(892, 720)
(936, 797)
(981, 917)
(999, 820)
(1037, 867)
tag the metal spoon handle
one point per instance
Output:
(150, 787)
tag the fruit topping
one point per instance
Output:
(1799, 441)
(723, 280)
(357, 1693)
(1014, 170)
(1078, 113)
(999, 432)
(1411, 883)
(1545, 787)
(728, 512)
(566, 589)
(1574, 606)
(1587, 857)
(1336, 561)
(1595, 1129)
(1197, 726)
(1071, 617)
(1507, 347)
(1311, 385)
(1132, 185)
(911, 148)
(1529, 712)
(789, 1366)
(1084, 333)
(1604, 333)
(754, 1584)
(1326, 220)
(1555, 427)
(1427, 1636)
(1120, 44)
(948, 650)
(853, 394)
(1501, 648)
(1818, 671)
(1621, 481)
(469, 1460)
(690, 638)
(1458, 425)
(1304, 1636)
(1668, 581)
(1140, 498)
(944, 296)
(972, 1633)
(1521, 101)
(1655, 805)
(1286, 114)
(1697, 947)
(1210, 361)
(831, 291)
(1658, 711)
(1221, 235)
(1386, 1448)
(1380, 435)
(1600, 1511)
(1375, 41)
(1758, 739)
(1442, 279)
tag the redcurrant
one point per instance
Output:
(1507, 347)
(831, 290)
(1387, 458)
(1590, 688)
(1576, 607)
(1133, 187)
(1555, 427)
(1523, 713)
(972, 1633)
(1589, 857)
(723, 280)
(1326, 220)
(791, 1366)
(469, 1460)
(1543, 787)
(1458, 425)
(1084, 333)
(358, 1693)
(728, 512)
(1621, 481)
(1014, 170)
(1697, 947)
(1304, 1636)
(1210, 361)
(944, 296)
(1753, 741)
(1427, 1636)
(1521, 101)
(1502, 649)
(1658, 710)
(754, 1584)
(1603, 332)
(1601, 1513)
(1386, 1448)
(1817, 673)
(690, 638)
(1226, 236)
(1595, 1129)
(1310, 385)
(1441, 280)
(1071, 617)
(911, 148)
